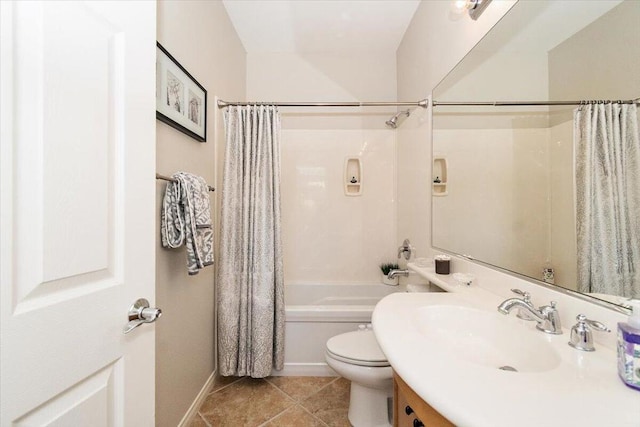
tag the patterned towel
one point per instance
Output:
(186, 218)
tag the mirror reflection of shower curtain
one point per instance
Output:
(607, 173)
(250, 274)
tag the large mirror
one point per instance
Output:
(511, 186)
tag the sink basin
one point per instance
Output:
(484, 338)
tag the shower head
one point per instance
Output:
(393, 121)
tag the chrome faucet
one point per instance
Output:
(395, 273)
(547, 316)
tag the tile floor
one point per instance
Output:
(276, 402)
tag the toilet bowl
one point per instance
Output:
(357, 357)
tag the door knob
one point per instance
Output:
(139, 313)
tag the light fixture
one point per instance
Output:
(475, 7)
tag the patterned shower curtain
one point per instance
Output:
(250, 276)
(607, 172)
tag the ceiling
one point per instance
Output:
(321, 26)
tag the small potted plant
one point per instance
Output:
(386, 268)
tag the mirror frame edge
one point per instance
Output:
(570, 292)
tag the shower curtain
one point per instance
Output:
(607, 172)
(250, 277)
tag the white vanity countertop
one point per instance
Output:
(583, 390)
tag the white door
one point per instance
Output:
(77, 153)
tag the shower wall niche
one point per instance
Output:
(439, 172)
(352, 176)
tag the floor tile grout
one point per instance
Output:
(280, 390)
(276, 416)
(315, 417)
(225, 386)
(294, 403)
(305, 397)
(299, 402)
(267, 380)
(324, 386)
(336, 379)
(301, 407)
(203, 419)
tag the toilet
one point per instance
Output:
(357, 357)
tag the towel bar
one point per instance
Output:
(166, 178)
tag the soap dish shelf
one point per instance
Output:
(440, 172)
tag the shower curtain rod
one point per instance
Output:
(528, 103)
(425, 103)
(422, 103)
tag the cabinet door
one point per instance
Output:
(404, 396)
(401, 418)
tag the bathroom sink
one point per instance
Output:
(449, 348)
(484, 338)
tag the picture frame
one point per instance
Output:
(181, 102)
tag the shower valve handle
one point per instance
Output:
(405, 249)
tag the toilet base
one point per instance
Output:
(370, 407)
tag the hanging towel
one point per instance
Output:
(186, 219)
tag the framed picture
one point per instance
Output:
(181, 101)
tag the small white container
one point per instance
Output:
(389, 282)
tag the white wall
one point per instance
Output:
(602, 60)
(200, 36)
(501, 75)
(431, 47)
(327, 236)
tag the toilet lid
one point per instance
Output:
(357, 347)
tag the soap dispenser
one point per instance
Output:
(629, 348)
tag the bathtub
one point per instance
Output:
(315, 313)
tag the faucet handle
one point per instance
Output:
(552, 307)
(551, 324)
(598, 326)
(581, 335)
(405, 249)
(526, 297)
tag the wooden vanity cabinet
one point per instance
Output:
(409, 410)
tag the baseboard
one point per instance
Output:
(305, 370)
(193, 409)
